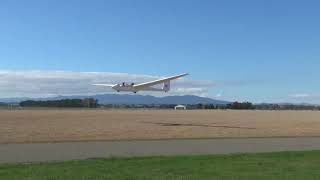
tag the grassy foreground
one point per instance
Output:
(269, 166)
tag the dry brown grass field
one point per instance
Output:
(23, 126)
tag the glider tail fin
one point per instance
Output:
(166, 86)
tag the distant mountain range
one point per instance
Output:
(129, 99)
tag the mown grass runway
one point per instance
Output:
(282, 165)
(60, 125)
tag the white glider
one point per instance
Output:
(147, 86)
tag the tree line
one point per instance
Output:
(93, 103)
(77, 103)
(286, 107)
(234, 105)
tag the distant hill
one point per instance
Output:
(3, 104)
(139, 99)
(130, 99)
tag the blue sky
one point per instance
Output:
(257, 50)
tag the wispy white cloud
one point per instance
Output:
(218, 95)
(304, 98)
(297, 98)
(22, 83)
(300, 95)
(199, 91)
(53, 83)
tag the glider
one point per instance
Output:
(147, 86)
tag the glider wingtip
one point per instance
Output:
(103, 85)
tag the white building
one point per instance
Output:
(180, 107)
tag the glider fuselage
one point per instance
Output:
(131, 88)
